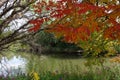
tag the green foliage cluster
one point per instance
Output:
(44, 38)
(48, 41)
(117, 48)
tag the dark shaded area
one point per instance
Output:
(64, 55)
(45, 43)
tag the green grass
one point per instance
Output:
(99, 74)
(66, 68)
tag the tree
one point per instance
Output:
(91, 24)
(14, 21)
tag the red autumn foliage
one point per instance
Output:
(75, 21)
(37, 23)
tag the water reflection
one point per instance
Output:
(12, 66)
(16, 62)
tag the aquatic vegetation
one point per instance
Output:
(105, 72)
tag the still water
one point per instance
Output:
(13, 65)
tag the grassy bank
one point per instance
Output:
(99, 73)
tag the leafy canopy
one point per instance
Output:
(79, 21)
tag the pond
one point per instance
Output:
(13, 63)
